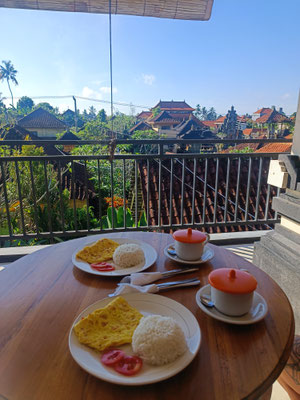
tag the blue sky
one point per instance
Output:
(246, 55)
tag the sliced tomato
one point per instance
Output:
(106, 267)
(111, 357)
(129, 365)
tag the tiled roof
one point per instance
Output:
(140, 126)
(191, 123)
(69, 136)
(290, 136)
(242, 146)
(173, 105)
(210, 124)
(263, 110)
(41, 119)
(273, 116)
(247, 131)
(220, 120)
(16, 132)
(144, 115)
(68, 112)
(275, 148)
(153, 178)
(164, 116)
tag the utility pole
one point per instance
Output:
(75, 108)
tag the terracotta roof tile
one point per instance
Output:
(210, 194)
(275, 148)
(220, 120)
(263, 110)
(144, 115)
(247, 132)
(210, 124)
(272, 116)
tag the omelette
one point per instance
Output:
(102, 250)
(112, 325)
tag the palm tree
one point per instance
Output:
(8, 72)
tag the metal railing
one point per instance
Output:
(63, 196)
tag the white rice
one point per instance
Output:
(128, 255)
(158, 340)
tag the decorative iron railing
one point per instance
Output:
(63, 196)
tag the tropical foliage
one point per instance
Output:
(8, 73)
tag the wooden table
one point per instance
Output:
(42, 293)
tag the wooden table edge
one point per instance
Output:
(264, 386)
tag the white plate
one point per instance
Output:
(257, 312)
(149, 252)
(207, 255)
(147, 304)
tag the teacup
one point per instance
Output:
(189, 244)
(232, 291)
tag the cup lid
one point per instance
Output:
(189, 236)
(232, 281)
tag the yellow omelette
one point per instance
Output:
(102, 250)
(112, 325)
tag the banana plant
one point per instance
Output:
(117, 215)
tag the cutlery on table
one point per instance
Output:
(155, 288)
(173, 285)
(164, 275)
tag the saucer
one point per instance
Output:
(257, 312)
(207, 255)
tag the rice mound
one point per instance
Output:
(128, 255)
(158, 340)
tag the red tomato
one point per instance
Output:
(129, 365)
(111, 357)
(102, 267)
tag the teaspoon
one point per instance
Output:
(207, 302)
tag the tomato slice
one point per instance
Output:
(129, 365)
(111, 357)
(106, 267)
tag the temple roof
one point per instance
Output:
(173, 105)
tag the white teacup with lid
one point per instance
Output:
(232, 290)
(189, 243)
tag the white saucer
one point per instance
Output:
(257, 312)
(207, 255)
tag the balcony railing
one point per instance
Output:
(63, 196)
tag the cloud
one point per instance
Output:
(106, 89)
(286, 96)
(148, 79)
(91, 93)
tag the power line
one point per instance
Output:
(83, 98)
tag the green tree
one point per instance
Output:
(203, 114)
(156, 111)
(246, 149)
(46, 106)
(2, 105)
(101, 116)
(8, 73)
(25, 105)
(92, 113)
(211, 114)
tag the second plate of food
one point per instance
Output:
(150, 256)
(146, 304)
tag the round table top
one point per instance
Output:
(42, 293)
